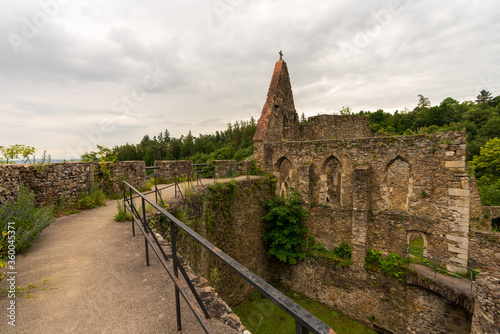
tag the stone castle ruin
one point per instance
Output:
(371, 192)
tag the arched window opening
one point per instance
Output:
(331, 178)
(285, 169)
(417, 245)
(398, 181)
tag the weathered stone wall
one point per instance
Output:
(485, 248)
(9, 182)
(170, 169)
(417, 184)
(325, 127)
(386, 303)
(486, 319)
(223, 167)
(230, 216)
(65, 180)
(134, 172)
(243, 167)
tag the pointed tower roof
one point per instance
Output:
(280, 91)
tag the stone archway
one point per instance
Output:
(416, 242)
(331, 181)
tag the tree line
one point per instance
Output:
(236, 142)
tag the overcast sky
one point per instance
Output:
(74, 74)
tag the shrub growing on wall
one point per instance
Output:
(285, 234)
(26, 219)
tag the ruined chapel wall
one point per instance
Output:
(326, 127)
(438, 187)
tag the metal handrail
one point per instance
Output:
(304, 320)
(473, 272)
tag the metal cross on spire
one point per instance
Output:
(281, 55)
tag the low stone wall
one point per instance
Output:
(243, 167)
(9, 182)
(170, 169)
(492, 211)
(65, 181)
(57, 181)
(223, 167)
(486, 317)
(484, 247)
(134, 172)
(389, 305)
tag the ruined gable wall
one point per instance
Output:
(326, 127)
(438, 188)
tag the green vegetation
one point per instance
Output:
(417, 247)
(486, 167)
(260, 315)
(285, 234)
(123, 215)
(236, 142)
(339, 255)
(391, 265)
(17, 151)
(91, 198)
(22, 216)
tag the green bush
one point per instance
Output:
(285, 234)
(91, 198)
(343, 251)
(373, 258)
(123, 215)
(28, 221)
(393, 265)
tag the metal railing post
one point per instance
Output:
(144, 223)
(156, 191)
(299, 329)
(176, 273)
(132, 209)
(435, 268)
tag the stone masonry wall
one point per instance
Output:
(170, 169)
(9, 182)
(134, 172)
(486, 319)
(388, 304)
(485, 248)
(230, 216)
(62, 180)
(223, 167)
(437, 197)
(325, 127)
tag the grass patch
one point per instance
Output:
(417, 247)
(123, 215)
(261, 316)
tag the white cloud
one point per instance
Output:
(216, 60)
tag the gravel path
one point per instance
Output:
(96, 281)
